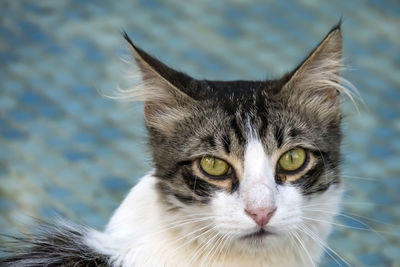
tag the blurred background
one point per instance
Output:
(66, 150)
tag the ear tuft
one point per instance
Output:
(316, 82)
(154, 81)
(161, 88)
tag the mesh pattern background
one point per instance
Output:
(66, 150)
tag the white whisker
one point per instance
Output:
(294, 241)
(228, 243)
(361, 178)
(304, 248)
(348, 215)
(314, 237)
(350, 227)
(177, 224)
(213, 249)
(203, 245)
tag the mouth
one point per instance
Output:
(257, 235)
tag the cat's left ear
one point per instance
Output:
(315, 83)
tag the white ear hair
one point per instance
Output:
(324, 74)
(148, 84)
(317, 82)
(154, 84)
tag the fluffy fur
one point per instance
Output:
(59, 244)
(179, 216)
(183, 239)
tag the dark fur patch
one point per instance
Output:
(198, 186)
(279, 136)
(184, 199)
(238, 131)
(261, 107)
(293, 132)
(53, 245)
(181, 183)
(311, 181)
(235, 184)
(210, 139)
(226, 141)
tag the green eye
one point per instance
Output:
(292, 160)
(214, 166)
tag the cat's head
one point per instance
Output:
(252, 160)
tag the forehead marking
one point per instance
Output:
(256, 162)
(258, 186)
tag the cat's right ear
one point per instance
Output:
(162, 90)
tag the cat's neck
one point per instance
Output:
(139, 234)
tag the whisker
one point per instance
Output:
(203, 245)
(327, 205)
(228, 243)
(350, 227)
(187, 235)
(361, 178)
(352, 216)
(369, 219)
(174, 225)
(314, 237)
(292, 238)
(304, 248)
(221, 249)
(213, 249)
(323, 246)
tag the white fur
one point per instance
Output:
(140, 232)
(257, 188)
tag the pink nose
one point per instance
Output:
(261, 215)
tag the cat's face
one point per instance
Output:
(252, 161)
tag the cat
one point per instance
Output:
(243, 173)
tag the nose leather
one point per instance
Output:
(261, 216)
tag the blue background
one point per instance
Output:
(67, 150)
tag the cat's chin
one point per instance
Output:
(257, 235)
(259, 240)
